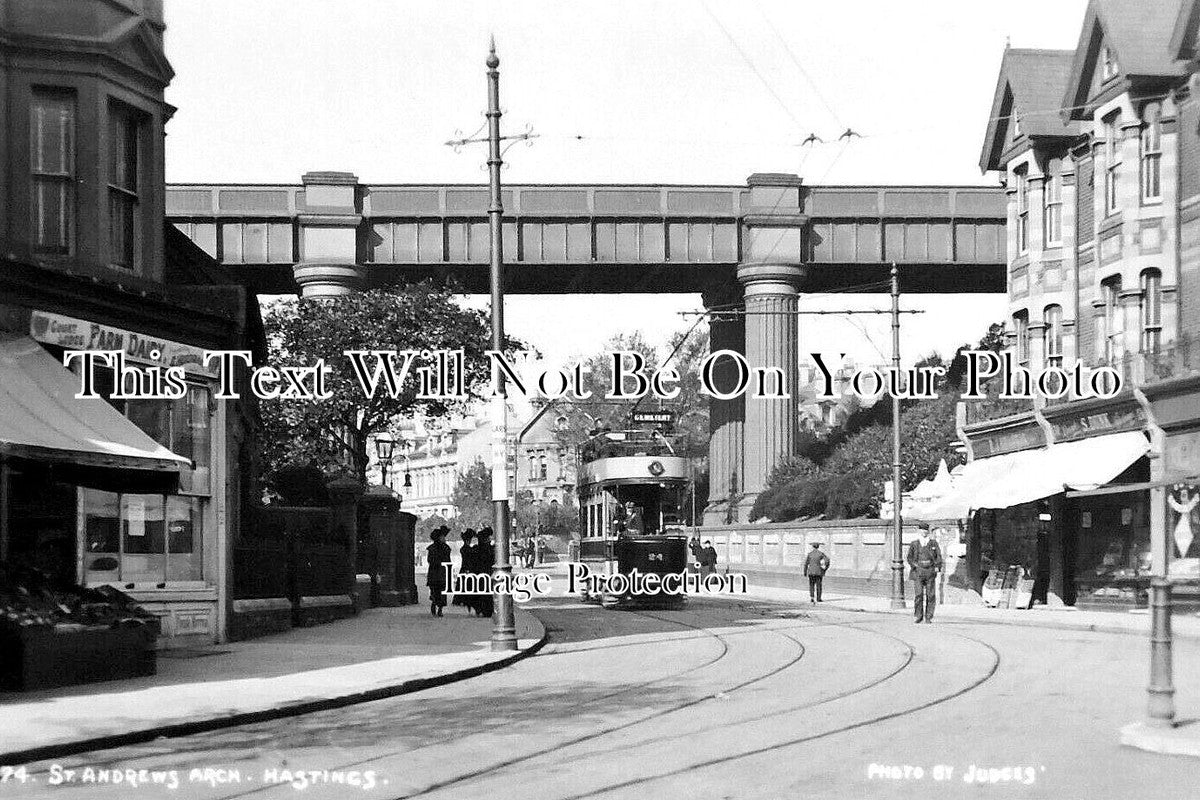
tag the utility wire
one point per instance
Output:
(795, 60)
(750, 63)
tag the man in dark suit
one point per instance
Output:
(925, 560)
(707, 559)
(815, 564)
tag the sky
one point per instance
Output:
(624, 91)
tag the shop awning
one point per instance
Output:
(41, 420)
(974, 479)
(1028, 475)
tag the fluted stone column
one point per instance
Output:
(725, 417)
(329, 222)
(772, 340)
(773, 251)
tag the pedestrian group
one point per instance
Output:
(476, 555)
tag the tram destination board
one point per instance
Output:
(663, 419)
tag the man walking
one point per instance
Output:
(925, 559)
(708, 559)
(815, 565)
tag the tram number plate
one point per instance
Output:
(654, 556)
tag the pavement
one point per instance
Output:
(379, 653)
(1135, 621)
(1181, 737)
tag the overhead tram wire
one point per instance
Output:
(796, 61)
(883, 134)
(750, 63)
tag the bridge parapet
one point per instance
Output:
(605, 238)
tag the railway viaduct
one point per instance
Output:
(752, 248)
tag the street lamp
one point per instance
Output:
(385, 450)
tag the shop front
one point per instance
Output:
(1036, 513)
(123, 494)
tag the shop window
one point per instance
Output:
(141, 538)
(1112, 164)
(1022, 177)
(1150, 309)
(1151, 153)
(52, 166)
(124, 203)
(181, 426)
(1053, 336)
(1052, 203)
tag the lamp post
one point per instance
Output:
(385, 450)
(504, 626)
(897, 500)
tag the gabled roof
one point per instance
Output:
(136, 42)
(1029, 89)
(1138, 32)
(1187, 27)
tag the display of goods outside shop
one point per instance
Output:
(55, 635)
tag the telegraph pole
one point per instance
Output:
(897, 518)
(504, 626)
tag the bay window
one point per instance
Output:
(1112, 163)
(1151, 310)
(1053, 336)
(1021, 325)
(1022, 176)
(1052, 203)
(52, 168)
(124, 202)
(1151, 153)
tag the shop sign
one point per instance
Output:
(78, 334)
(1008, 441)
(1115, 420)
(1184, 549)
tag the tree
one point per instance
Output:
(849, 483)
(472, 496)
(334, 433)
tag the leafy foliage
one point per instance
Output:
(473, 497)
(842, 475)
(332, 434)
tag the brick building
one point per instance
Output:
(1099, 150)
(144, 495)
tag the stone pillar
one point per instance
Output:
(772, 340)
(725, 417)
(770, 273)
(329, 222)
(344, 494)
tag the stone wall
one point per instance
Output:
(858, 549)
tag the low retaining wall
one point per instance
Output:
(860, 558)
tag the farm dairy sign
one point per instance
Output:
(78, 334)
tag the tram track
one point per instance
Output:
(494, 768)
(723, 652)
(907, 661)
(719, 761)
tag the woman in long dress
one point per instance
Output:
(485, 555)
(435, 577)
(466, 566)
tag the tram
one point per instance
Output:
(632, 487)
